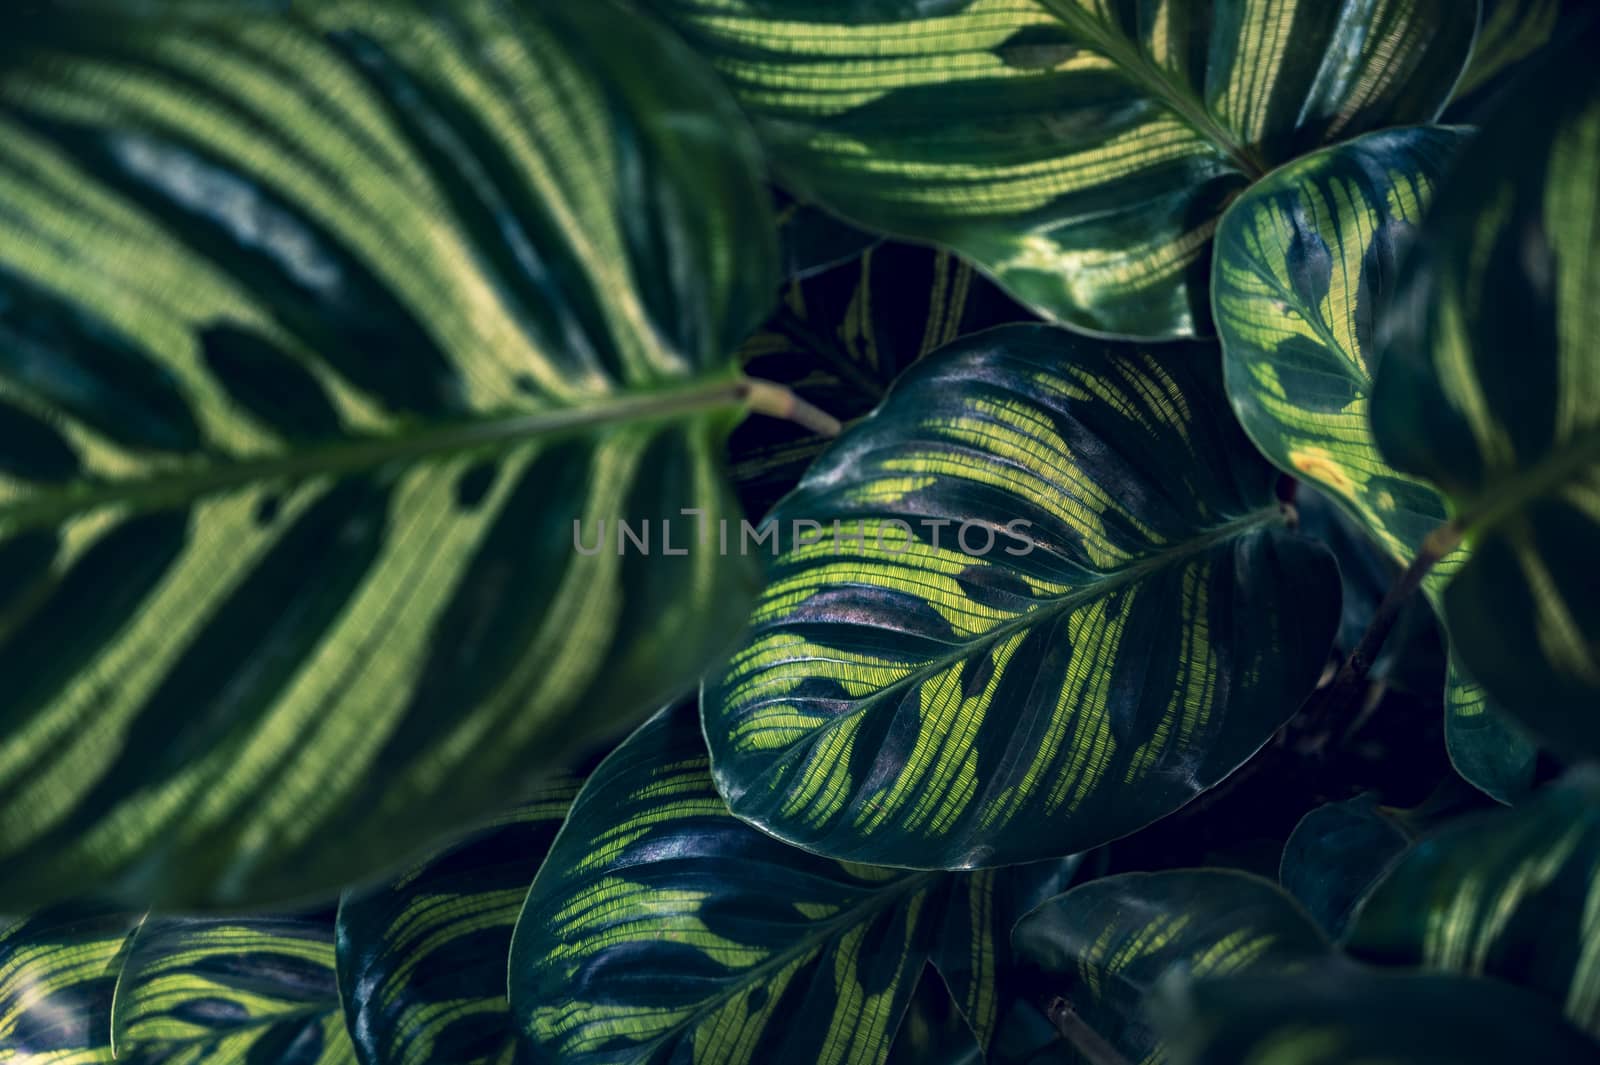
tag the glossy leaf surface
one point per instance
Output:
(314, 342)
(1335, 854)
(1080, 152)
(58, 973)
(1075, 607)
(663, 929)
(1489, 386)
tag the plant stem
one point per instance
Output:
(776, 401)
(1085, 1040)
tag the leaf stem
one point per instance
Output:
(1085, 1040)
(776, 401)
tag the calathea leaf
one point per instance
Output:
(422, 959)
(933, 1032)
(1489, 386)
(58, 974)
(1103, 948)
(1335, 854)
(1509, 31)
(224, 991)
(301, 392)
(812, 241)
(1340, 1013)
(662, 928)
(1047, 597)
(1507, 894)
(1306, 261)
(840, 337)
(1081, 152)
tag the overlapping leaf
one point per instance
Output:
(661, 928)
(1489, 386)
(1509, 31)
(1509, 894)
(1105, 947)
(58, 972)
(1342, 1014)
(1305, 268)
(1335, 854)
(422, 959)
(314, 342)
(1051, 598)
(1081, 152)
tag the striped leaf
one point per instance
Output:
(222, 991)
(1509, 31)
(1510, 894)
(1104, 947)
(58, 972)
(1489, 386)
(1079, 151)
(422, 959)
(933, 1032)
(314, 343)
(1335, 854)
(661, 928)
(1305, 269)
(840, 337)
(1343, 1014)
(1051, 598)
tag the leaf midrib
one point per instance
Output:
(1511, 491)
(356, 454)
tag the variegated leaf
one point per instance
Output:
(1047, 597)
(1305, 268)
(1509, 31)
(226, 991)
(58, 973)
(422, 959)
(1510, 894)
(316, 336)
(1079, 151)
(1489, 386)
(663, 929)
(1104, 948)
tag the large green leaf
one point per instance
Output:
(422, 959)
(223, 991)
(58, 972)
(1509, 31)
(314, 343)
(1343, 1015)
(1080, 151)
(661, 928)
(1509, 894)
(1489, 386)
(984, 692)
(1305, 268)
(1104, 947)
(1335, 854)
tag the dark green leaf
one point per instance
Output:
(1335, 854)
(984, 692)
(1079, 152)
(661, 928)
(1489, 386)
(422, 959)
(314, 343)
(1509, 894)
(58, 972)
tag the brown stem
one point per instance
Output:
(776, 401)
(1085, 1040)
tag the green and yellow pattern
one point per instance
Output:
(1489, 386)
(317, 334)
(1306, 264)
(661, 928)
(1079, 150)
(931, 684)
(58, 972)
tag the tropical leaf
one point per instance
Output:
(812, 241)
(223, 991)
(314, 341)
(933, 1031)
(1509, 31)
(661, 928)
(840, 338)
(1305, 268)
(1507, 894)
(58, 972)
(1344, 1014)
(1103, 948)
(1051, 598)
(1335, 854)
(422, 959)
(1080, 152)
(1489, 386)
